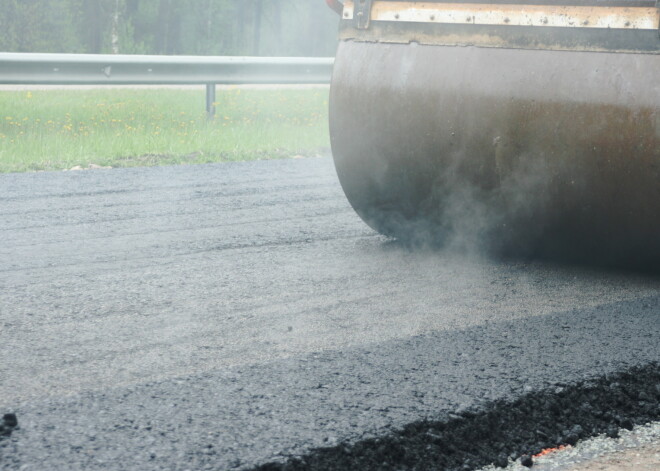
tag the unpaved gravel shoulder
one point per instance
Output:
(644, 458)
(637, 449)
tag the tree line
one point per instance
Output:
(196, 27)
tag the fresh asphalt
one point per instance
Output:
(229, 315)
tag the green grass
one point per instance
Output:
(61, 129)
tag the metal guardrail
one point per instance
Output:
(91, 69)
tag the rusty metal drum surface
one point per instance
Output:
(524, 151)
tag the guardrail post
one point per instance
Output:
(210, 100)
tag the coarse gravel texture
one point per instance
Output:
(228, 316)
(644, 458)
(637, 449)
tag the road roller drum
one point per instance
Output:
(508, 128)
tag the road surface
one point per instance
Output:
(226, 316)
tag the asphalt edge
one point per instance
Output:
(501, 431)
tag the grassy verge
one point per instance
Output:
(56, 130)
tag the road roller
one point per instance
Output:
(526, 129)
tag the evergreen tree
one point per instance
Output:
(198, 27)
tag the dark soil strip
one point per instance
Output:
(563, 414)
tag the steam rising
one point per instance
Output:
(524, 206)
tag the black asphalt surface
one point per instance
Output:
(231, 315)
